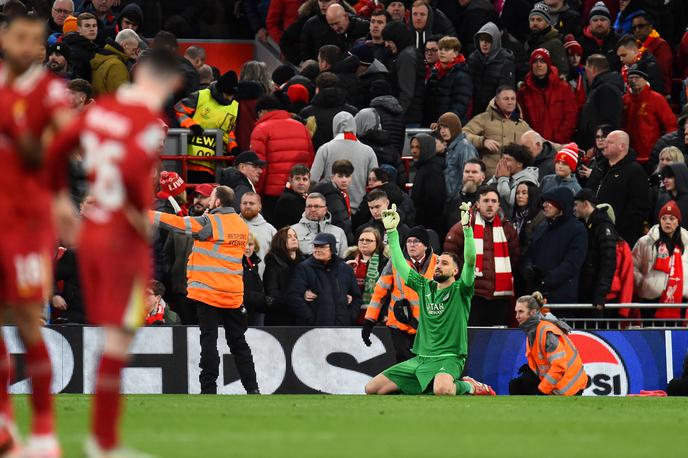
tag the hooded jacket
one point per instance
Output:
(306, 230)
(470, 18)
(371, 133)
(324, 106)
(376, 71)
(450, 92)
(604, 105)
(506, 186)
(554, 257)
(551, 40)
(551, 110)
(81, 52)
(647, 116)
(554, 181)
(599, 267)
(429, 191)
(459, 150)
(650, 283)
(109, 69)
(345, 70)
(545, 160)
(680, 195)
(392, 120)
(332, 282)
(438, 24)
(346, 146)
(490, 71)
(281, 142)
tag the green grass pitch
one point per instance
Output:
(394, 426)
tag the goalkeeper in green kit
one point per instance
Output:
(441, 344)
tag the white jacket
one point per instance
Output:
(650, 283)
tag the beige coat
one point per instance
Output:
(650, 283)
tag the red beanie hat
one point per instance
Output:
(670, 208)
(571, 46)
(171, 184)
(569, 155)
(541, 53)
(298, 93)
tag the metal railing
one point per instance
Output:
(175, 156)
(570, 313)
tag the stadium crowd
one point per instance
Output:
(562, 122)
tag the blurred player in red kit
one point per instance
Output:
(120, 138)
(34, 104)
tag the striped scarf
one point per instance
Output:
(504, 280)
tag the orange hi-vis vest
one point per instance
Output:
(391, 280)
(214, 271)
(561, 370)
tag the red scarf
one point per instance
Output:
(348, 202)
(157, 314)
(443, 69)
(673, 292)
(504, 280)
(624, 70)
(650, 38)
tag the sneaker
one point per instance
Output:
(479, 389)
(93, 450)
(10, 442)
(42, 446)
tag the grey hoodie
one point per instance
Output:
(361, 156)
(366, 120)
(492, 30)
(507, 186)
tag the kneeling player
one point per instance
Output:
(441, 344)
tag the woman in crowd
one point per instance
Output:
(666, 156)
(367, 260)
(660, 264)
(258, 72)
(525, 217)
(280, 261)
(255, 299)
(675, 184)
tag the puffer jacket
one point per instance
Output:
(282, 142)
(490, 71)
(109, 69)
(451, 92)
(598, 271)
(552, 110)
(552, 41)
(650, 283)
(392, 119)
(324, 106)
(604, 105)
(647, 116)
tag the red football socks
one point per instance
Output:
(107, 405)
(39, 370)
(5, 370)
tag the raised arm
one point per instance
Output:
(468, 271)
(195, 227)
(390, 219)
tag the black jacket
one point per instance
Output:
(438, 24)
(324, 106)
(649, 65)
(451, 93)
(236, 180)
(554, 258)
(552, 41)
(317, 33)
(405, 207)
(276, 280)
(336, 205)
(607, 47)
(379, 141)
(331, 282)
(392, 120)
(429, 191)
(470, 19)
(598, 269)
(288, 209)
(567, 21)
(624, 186)
(545, 161)
(604, 105)
(81, 51)
(255, 299)
(345, 70)
(407, 72)
(680, 195)
(67, 271)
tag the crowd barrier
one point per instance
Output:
(301, 360)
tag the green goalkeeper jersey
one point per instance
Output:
(443, 323)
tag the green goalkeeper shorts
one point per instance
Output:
(415, 375)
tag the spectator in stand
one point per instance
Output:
(427, 21)
(254, 82)
(332, 59)
(407, 71)
(594, 155)
(650, 41)
(59, 12)
(473, 178)
(196, 56)
(565, 163)
(292, 202)
(604, 104)
(667, 156)
(317, 219)
(369, 70)
(647, 114)
(429, 191)
(256, 12)
(431, 54)
(255, 299)
(397, 10)
(80, 94)
(378, 20)
(576, 75)
(323, 289)
(58, 60)
(167, 40)
(500, 125)
(280, 141)
(491, 66)
(630, 55)
(459, 150)
(82, 45)
(329, 100)
(298, 97)
(290, 44)
(261, 230)
(543, 35)
(472, 15)
(598, 269)
(170, 199)
(497, 252)
(336, 195)
(212, 108)
(660, 264)
(526, 217)
(110, 67)
(102, 10)
(158, 313)
(281, 14)
(599, 38)
(449, 87)
(513, 168)
(333, 26)
(553, 260)
(367, 259)
(542, 152)
(679, 139)
(675, 181)
(243, 176)
(402, 302)
(283, 257)
(205, 76)
(548, 102)
(620, 181)
(379, 199)
(131, 17)
(564, 17)
(345, 145)
(391, 114)
(370, 132)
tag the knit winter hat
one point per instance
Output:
(282, 74)
(452, 122)
(635, 70)
(600, 10)
(670, 208)
(228, 83)
(569, 155)
(298, 93)
(420, 233)
(542, 10)
(171, 185)
(379, 88)
(69, 25)
(541, 53)
(364, 53)
(572, 47)
(269, 103)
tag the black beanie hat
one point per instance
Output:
(282, 74)
(421, 234)
(228, 83)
